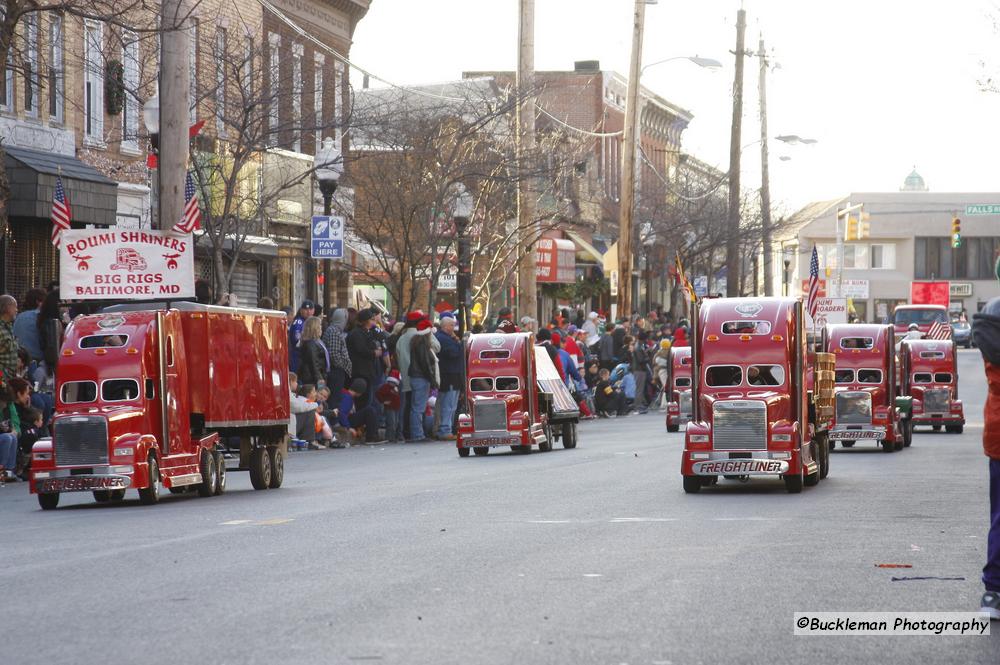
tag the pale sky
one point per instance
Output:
(883, 85)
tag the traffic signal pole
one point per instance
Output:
(841, 233)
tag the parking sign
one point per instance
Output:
(327, 237)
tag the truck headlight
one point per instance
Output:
(123, 452)
(39, 457)
(125, 468)
(787, 438)
(698, 438)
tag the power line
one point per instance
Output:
(666, 183)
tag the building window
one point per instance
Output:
(130, 103)
(883, 257)
(55, 69)
(31, 64)
(193, 70)
(221, 80)
(297, 97)
(935, 258)
(855, 256)
(319, 63)
(93, 83)
(273, 79)
(247, 68)
(338, 79)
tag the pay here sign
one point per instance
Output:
(122, 264)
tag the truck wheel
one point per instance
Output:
(117, 495)
(260, 468)
(954, 429)
(524, 450)
(907, 432)
(847, 444)
(569, 435)
(277, 467)
(208, 478)
(692, 484)
(793, 482)
(673, 428)
(888, 446)
(936, 428)
(102, 496)
(464, 452)
(824, 457)
(546, 445)
(151, 495)
(831, 444)
(481, 450)
(48, 500)
(220, 473)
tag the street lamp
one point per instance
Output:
(787, 252)
(630, 142)
(462, 214)
(329, 166)
(151, 117)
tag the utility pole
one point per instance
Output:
(733, 220)
(629, 151)
(765, 185)
(175, 88)
(527, 288)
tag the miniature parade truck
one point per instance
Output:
(754, 413)
(514, 397)
(866, 405)
(929, 375)
(678, 388)
(150, 396)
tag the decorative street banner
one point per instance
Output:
(121, 264)
(327, 237)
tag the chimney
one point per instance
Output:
(587, 66)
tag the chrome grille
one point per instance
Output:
(854, 408)
(81, 440)
(739, 425)
(489, 416)
(685, 404)
(937, 400)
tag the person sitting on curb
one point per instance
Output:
(606, 398)
(301, 418)
(361, 422)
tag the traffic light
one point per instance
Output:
(851, 232)
(864, 226)
(956, 232)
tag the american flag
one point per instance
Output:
(60, 213)
(812, 300)
(191, 221)
(939, 330)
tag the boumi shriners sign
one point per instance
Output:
(106, 264)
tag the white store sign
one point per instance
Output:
(852, 288)
(118, 264)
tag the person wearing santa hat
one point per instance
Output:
(388, 396)
(423, 374)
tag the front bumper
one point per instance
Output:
(750, 463)
(111, 477)
(938, 419)
(863, 432)
(489, 439)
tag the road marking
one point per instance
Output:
(550, 521)
(234, 522)
(751, 519)
(592, 575)
(275, 521)
(632, 520)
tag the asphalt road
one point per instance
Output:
(409, 554)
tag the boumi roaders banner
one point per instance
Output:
(122, 264)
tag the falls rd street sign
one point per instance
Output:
(983, 209)
(327, 237)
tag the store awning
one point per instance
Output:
(93, 197)
(585, 251)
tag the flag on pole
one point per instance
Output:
(939, 331)
(60, 213)
(812, 300)
(684, 281)
(191, 220)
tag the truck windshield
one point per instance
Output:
(932, 355)
(746, 328)
(922, 377)
(103, 341)
(905, 317)
(720, 376)
(765, 375)
(507, 384)
(856, 343)
(869, 376)
(481, 385)
(942, 377)
(683, 382)
(78, 392)
(844, 376)
(119, 390)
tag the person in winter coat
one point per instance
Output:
(306, 309)
(590, 327)
(451, 368)
(986, 335)
(314, 359)
(618, 339)
(340, 359)
(606, 350)
(50, 336)
(388, 396)
(362, 349)
(357, 417)
(639, 365)
(423, 373)
(680, 337)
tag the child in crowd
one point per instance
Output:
(323, 434)
(360, 421)
(301, 426)
(388, 397)
(606, 398)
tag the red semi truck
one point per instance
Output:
(151, 396)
